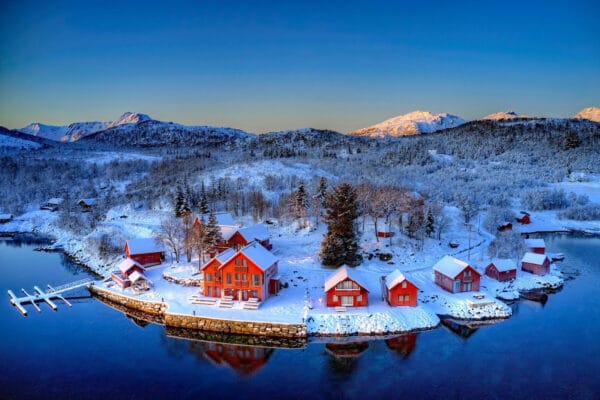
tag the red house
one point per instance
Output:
(505, 226)
(524, 220)
(145, 251)
(456, 276)
(399, 291)
(384, 234)
(537, 246)
(245, 360)
(258, 233)
(125, 271)
(538, 264)
(343, 290)
(501, 270)
(248, 272)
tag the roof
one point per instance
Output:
(534, 258)
(55, 200)
(6, 216)
(341, 274)
(89, 202)
(227, 231)
(503, 264)
(221, 257)
(450, 266)
(127, 264)
(223, 218)
(260, 256)
(531, 243)
(394, 278)
(143, 246)
(136, 275)
(255, 232)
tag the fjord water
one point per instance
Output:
(91, 351)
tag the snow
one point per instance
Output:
(135, 276)
(341, 274)
(222, 217)
(227, 231)
(534, 258)
(89, 201)
(393, 279)
(590, 113)
(450, 266)
(505, 115)
(222, 257)
(6, 216)
(260, 256)
(55, 201)
(9, 141)
(535, 243)
(143, 246)
(503, 264)
(127, 264)
(255, 232)
(412, 123)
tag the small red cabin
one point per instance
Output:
(385, 234)
(343, 290)
(501, 270)
(538, 264)
(524, 219)
(145, 251)
(125, 270)
(456, 276)
(506, 226)
(399, 291)
(537, 246)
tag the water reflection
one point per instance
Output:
(461, 329)
(402, 345)
(343, 357)
(244, 360)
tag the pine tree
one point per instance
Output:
(340, 244)
(572, 140)
(213, 233)
(179, 202)
(203, 206)
(299, 203)
(430, 223)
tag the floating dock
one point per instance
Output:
(45, 296)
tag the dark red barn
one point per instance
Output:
(501, 270)
(456, 276)
(145, 251)
(536, 246)
(343, 289)
(399, 291)
(538, 264)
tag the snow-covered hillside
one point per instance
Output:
(413, 123)
(13, 142)
(591, 113)
(504, 115)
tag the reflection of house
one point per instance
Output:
(535, 263)
(537, 246)
(126, 268)
(455, 275)
(52, 204)
(343, 289)
(353, 349)
(4, 218)
(501, 270)
(404, 344)
(248, 272)
(145, 251)
(87, 204)
(245, 360)
(399, 291)
(462, 330)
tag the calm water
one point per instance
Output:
(92, 351)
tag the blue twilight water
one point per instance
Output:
(92, 351)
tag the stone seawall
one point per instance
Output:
(195, 322)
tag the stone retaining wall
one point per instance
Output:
(150, 307)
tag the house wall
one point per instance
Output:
(410, 290)
(493, 273)
(536, 269)
(538, 250)
(448, 283)
(338, 293)
(147, 259)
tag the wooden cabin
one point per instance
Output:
(524, 220)
(343, 289)
(384, 234)
(250, 272)
(538, 264)
(4, 218)
(124, 271)
(537, 246)
(456, 276)
(145, 251)
(256, 233)
(399, 291)
(501, 270)
(52, 204)
(87, 204)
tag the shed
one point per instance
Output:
(52, 204)
(343, 289)
(87, 204)
(145, 251)
(501, 270)
(399, 291)
(536, 246)
(538, 264)
(455, 275)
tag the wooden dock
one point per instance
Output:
(46, 296)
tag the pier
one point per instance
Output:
(39, 295)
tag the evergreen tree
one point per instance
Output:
(179, 202)
(430, 223)
(299, 202)
(322, 190)
(213, 233)
(203, 205)
(572, 140)
(340, 244)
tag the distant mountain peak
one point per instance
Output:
(510, 114)
(129, 118)
(413, 123)
(589, 113)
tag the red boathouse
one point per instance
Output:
(399, 291)
(127, 269)
(538, 264)
(145, 251)
(501, 270)
(343, 289)
(537, 246)
(456, 276)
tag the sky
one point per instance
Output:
(263, 66)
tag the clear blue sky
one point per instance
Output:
(263, 66)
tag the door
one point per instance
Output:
(468, 286)
(347, 301)
(456, 286)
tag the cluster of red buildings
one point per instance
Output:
(139, 255)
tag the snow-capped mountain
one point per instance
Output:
(504, 115)
(413, 123)
(590, 113)
(77, 130)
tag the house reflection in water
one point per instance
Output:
(245, 360)
(344, 356)
(403, 345)
(462, 330)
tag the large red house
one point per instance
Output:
(250, 272)
(456, 276)
(343, 290)
(536, 246)
(145, 251)
(501, 270)
(538, 264)
(399, 291)
(127, 269)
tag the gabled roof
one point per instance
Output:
(503, 264)
(221, 257)
(394, 278)
(143, 246)
(450, 266)
(534, 258)
(260, 256)
(127, 264)
(89, 202)
(255, 232)
(136, 276)
(55, 200)
(535, 243)
(227, 231)
(341, 274)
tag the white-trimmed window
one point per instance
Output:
(359, 299)
(346, 285)
(208, 277)
(347, 301)
(255, 280)
(403, 285)
(334, 298)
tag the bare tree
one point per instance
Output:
(199, 240)
(171, 235)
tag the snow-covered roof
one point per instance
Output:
(55, 200)
(534, 258)
(260, 256)
(503, 264)
(127, 264)
(221, 257)
(255, 232)
(394, 278)
(136, 275)
(143, 246)
(535, 243)
(450, 266)
(89, 202)
(6, 216)
(227, 231)
(341, 274)
(223, 218)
